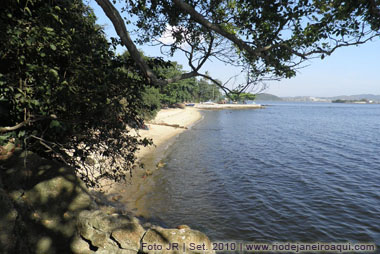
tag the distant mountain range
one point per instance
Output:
(267, 97)
(357, 97)
(271, 97)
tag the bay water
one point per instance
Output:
(290, 172)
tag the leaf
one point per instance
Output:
(21, 134)
(49, 29)
(53, 73)
(55, 16)
(53, 47)
(28, 11)
(54, 124)
(35, 102)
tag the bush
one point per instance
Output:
(61, 85)
(151, 103)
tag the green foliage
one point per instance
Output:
(207, 92)
(188, 90)
(59, 77)
(268, 39)
(151, 103)
(242, 97)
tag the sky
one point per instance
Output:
(348, 71)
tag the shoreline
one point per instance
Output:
(162, 134)
(130, 194)
(228, 106)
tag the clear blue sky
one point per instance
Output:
(349, 71)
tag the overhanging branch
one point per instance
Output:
(118, 22)
(330, 51)
(13, 128)
(214, 27)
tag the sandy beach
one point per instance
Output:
(163, 130)
(130, 195)
(184, 118)
(161, 134)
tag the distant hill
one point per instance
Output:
(357, 97)
(267, 97)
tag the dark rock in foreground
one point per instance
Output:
(45, 208)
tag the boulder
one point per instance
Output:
(162, 240)
(45, 208)
(40, 200)
(8, 219)
(112, 232)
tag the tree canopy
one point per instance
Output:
(61, 85)
(65, 93)
(269, 40)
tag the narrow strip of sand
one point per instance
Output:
(167, 125)
(160, 131)
(163, 130)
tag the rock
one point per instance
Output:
(183, 227)
(114, 232)
(45, 208)
(160, 164)
(116, 197)
(44, 245)
(161, 240)
(80, 246)
(7, 151)
(40, 206)
(90, 161)
(8, 216)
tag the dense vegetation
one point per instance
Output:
(61, 85)
(188, 90)
(268, 40)
(242, 97)
(65, 93)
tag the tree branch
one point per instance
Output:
(329, 52)
(118, 22)
(13, 128)
(201, 20)
(225, 89)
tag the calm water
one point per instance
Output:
(290, 172)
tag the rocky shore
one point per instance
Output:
(45, 208)
(163, 130)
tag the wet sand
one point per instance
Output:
(130, 195)
(161, 134)
(136, 189)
